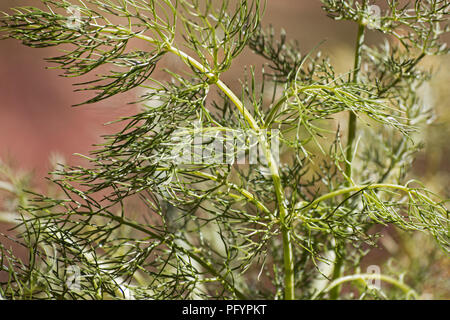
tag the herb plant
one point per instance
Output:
(163, 212)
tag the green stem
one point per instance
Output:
(244, 192)
(358, 188)
(250, 197)
(352, 116)
(273, 165)
(350, 151)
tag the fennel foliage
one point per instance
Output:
(161, 214)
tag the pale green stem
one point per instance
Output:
(242, 191)
(273, 166)
(358, 188)
(350, 149)
(368, 276)
(352, 117)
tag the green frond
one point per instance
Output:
(205, 193)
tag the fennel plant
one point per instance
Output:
(161, 212)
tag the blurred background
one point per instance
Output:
(39, 127)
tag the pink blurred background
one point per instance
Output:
(36, 117)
